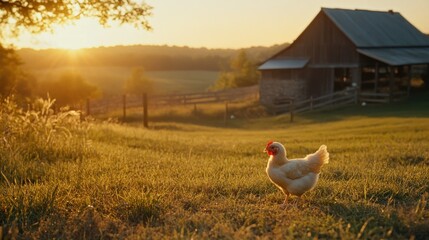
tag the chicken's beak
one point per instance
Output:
(268, 152)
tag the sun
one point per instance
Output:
(83, 33)
(80, 34)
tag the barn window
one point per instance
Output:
(419, 76)
(369, 77)
(342, 78)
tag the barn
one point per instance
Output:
(372, 51)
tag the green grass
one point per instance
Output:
(110, 80)
(182, 181)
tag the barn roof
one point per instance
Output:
(398, 56)
(385, 36)
(368, 29)
(284, 63)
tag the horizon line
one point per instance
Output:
(146, 45)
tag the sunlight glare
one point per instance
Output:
(84, 33)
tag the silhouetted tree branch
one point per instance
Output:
(40, 15)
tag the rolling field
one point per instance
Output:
(183, 181)
(110, 80)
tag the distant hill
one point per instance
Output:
(151, 58)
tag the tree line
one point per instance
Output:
(151, 58)
(238, 68)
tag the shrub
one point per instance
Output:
(29, 139)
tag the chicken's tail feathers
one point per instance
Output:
(323, 153)
(317, 159)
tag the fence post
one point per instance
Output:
(88, 107)
(145, 112)
(29, 107)
(226, 114)
(391, 83)
(410, 76)
(292, 109)
(356, 97)
(124, 102)
(107, 105)
(55, 108)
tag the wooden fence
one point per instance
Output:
(281, 104)
(371, 97)
(207, 97)
(125, 102)
(336, 99)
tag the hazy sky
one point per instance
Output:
(218, 23)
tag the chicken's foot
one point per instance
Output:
(286, 199)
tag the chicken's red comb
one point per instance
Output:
(269, 143)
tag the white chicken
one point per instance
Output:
(295, 176)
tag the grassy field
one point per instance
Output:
(110, 80)
(183, 181)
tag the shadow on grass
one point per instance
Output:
(162, 122)
(416, 106)
(357, 214)
(369, 221)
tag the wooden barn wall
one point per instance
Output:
(324, 44)
(324, 78)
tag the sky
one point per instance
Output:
(216, 23)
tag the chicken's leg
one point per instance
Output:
(286, 198)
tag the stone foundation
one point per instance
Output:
(273, 88)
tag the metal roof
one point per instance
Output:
(376, 29)
(398, 56)
(284, 63)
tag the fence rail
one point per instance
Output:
(340, 98)
(371, 97)
(118, 102)
(207, 97)
(336, 99)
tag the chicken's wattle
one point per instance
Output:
(267, 149)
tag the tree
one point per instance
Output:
(138, 83)
(69, 89)
(243, 73)
(39, 15)
(12, 78)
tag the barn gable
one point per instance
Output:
(323, 43)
